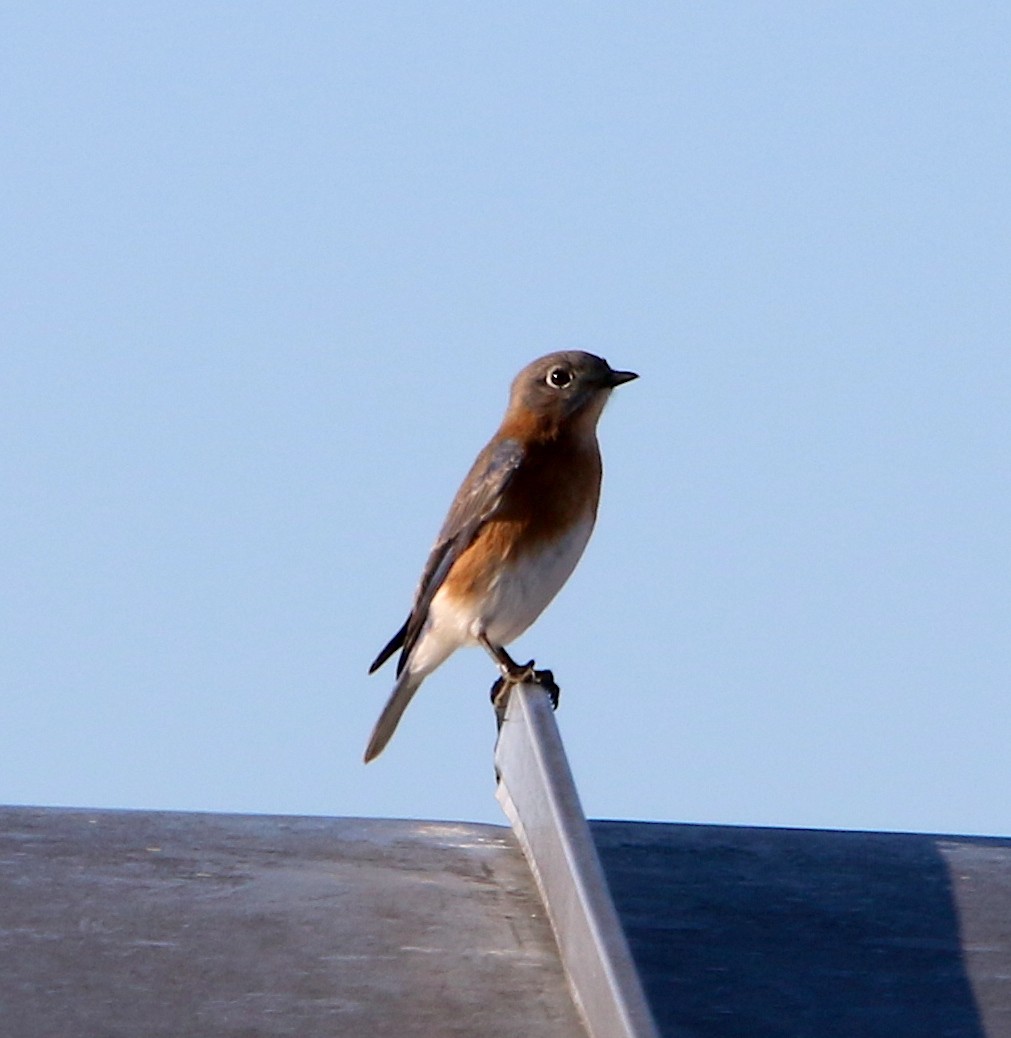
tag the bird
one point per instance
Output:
(514, 532)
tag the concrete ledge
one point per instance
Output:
(169, 925)
(539, 797)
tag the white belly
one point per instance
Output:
(523, 591)
(516, 598)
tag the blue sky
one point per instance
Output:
(268, 271)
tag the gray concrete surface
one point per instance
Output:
(780, 933)
(116, 924)
(144, 925)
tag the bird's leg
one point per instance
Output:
(514, 673)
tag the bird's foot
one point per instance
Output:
(546, 680)
(500, 698)
(522, 675)
(518, 673)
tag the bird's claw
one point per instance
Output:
(546, 680)
(523, 675)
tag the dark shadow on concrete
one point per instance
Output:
(769, 933)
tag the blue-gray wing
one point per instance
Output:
(477, 500)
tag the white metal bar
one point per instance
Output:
(539, 797)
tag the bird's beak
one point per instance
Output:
(617, 378)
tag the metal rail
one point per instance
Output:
(539, 797)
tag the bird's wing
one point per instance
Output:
(476, 502)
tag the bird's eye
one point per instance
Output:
(559, 377)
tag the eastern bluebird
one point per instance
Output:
(514, 533)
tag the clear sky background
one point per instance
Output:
(267, 272)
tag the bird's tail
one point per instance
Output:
(407, 684)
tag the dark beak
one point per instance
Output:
(617, 378)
